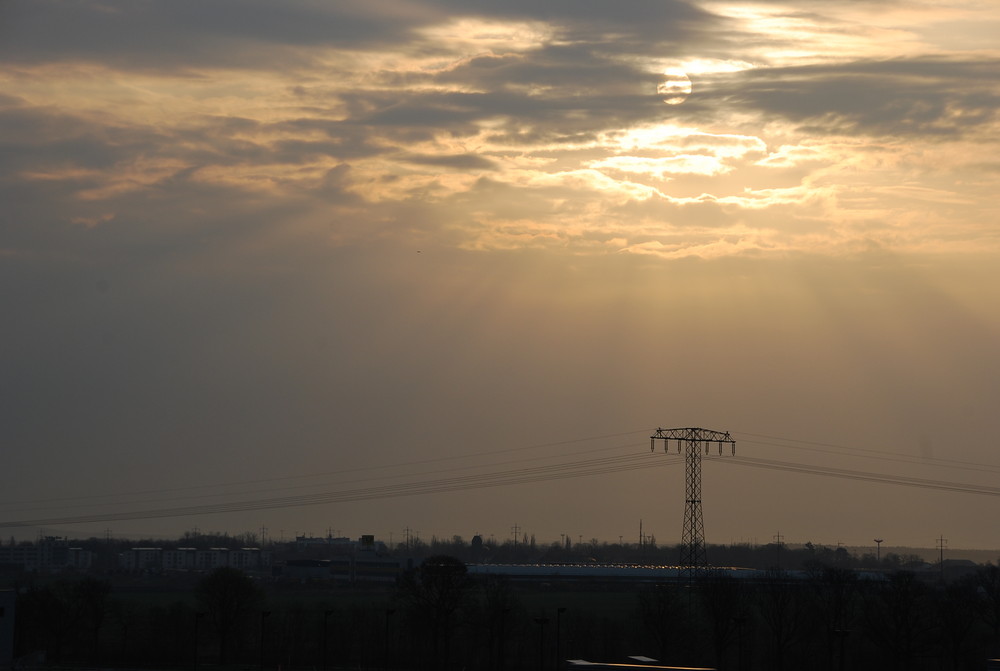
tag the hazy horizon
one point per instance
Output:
(446, 266)
(928, 553)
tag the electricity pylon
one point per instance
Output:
(693, 553)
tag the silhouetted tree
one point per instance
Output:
(835, 601)
(956, 614)
(44, 622)
(88, 598)
(724, 599)
(781, 610)
(662, 610)
(897, 618)
(228, 596)
(432, 594)
(988, 583)
(494, 616)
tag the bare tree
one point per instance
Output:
(228, 596)
(432, 595)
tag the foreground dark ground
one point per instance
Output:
(438, 617)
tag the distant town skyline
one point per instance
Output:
(81, 551)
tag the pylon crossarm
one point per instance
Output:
(693, 554)
(699, 435)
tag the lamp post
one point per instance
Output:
(263, 616)
(541, 621)
(841, 636)
(388, 614)
(559, 612)
(878, 550)
(740, 620)
(500, 645)
(197, 621)
(326, 636)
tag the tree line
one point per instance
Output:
(439, 617)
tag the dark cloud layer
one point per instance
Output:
(186, 33)
(249, 33)
(632, 24)
(918, 96)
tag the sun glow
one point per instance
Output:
(675, 87)
(678, 138)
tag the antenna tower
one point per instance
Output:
(693, 553)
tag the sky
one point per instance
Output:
(442, 267)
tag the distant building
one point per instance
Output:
(155, 560)
(306, 569)
(80, 559)
(141, 560)
(246, 559)
(339, 545)
(354, 569)
(375, 569)
(49, 554)
(340, 559)
(181, 559)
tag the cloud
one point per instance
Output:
(927, 97)
(233, 34)
(630, 22)
(191, 35)
(246, 237)
(455, 161)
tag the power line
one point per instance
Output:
(352, 481)
(599, 466)
(867, 453)
(865, 476)
(544, 473)
(421, 484)
(116, 499)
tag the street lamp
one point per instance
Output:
(739, 620)
(326, 636)
(541, 621)
(500, 648)
(878, 550)
(388, 614)
(197, 620)
(263, 616)
(841, 636)
(559, 612)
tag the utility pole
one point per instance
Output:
(693, 554)
(942, 543)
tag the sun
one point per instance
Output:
(675, 87)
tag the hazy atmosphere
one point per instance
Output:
(360, 267)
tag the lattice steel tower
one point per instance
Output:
(693, 539)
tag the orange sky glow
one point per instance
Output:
(338, 251)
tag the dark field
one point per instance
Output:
(440, 618)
